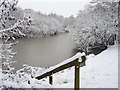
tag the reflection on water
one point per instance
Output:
(43, 52)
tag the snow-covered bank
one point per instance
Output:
(101, 71)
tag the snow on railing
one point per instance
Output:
(77, 56)
(77, 60)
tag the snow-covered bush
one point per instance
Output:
(96, 26)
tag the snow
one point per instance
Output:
(101, 71)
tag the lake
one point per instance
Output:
(45, 51)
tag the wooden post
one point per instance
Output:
(76, 86)
(50, 80)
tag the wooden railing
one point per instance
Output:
(75, 63)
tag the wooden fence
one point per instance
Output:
(75, 63)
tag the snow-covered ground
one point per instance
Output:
(101, 71)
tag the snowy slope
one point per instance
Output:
(101, 71)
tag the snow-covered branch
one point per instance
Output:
(14, 27)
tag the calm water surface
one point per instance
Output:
(43, 52)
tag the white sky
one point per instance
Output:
(60, 7)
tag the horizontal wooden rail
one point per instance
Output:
(68, 65)
(75, 63)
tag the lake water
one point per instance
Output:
(43, 52)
